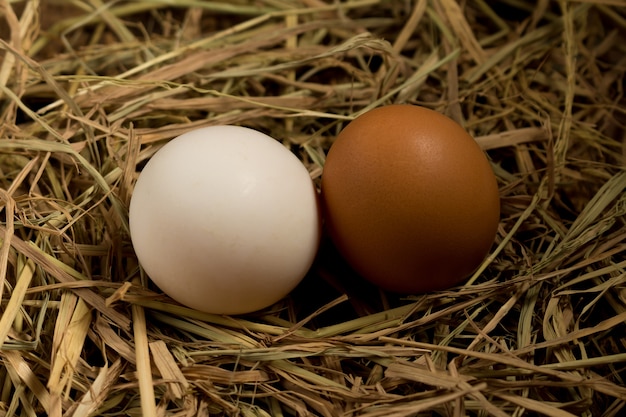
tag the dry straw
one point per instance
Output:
(91, 89)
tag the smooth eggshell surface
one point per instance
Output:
(225, 220)
(409, 198)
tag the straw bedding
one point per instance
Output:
(91, 89)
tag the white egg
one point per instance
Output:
(225, 220)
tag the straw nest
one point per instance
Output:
(90, 90)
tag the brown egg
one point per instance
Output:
(409, 199)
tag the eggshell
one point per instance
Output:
(225, 220)
(409, 198)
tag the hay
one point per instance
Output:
(91, 90)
